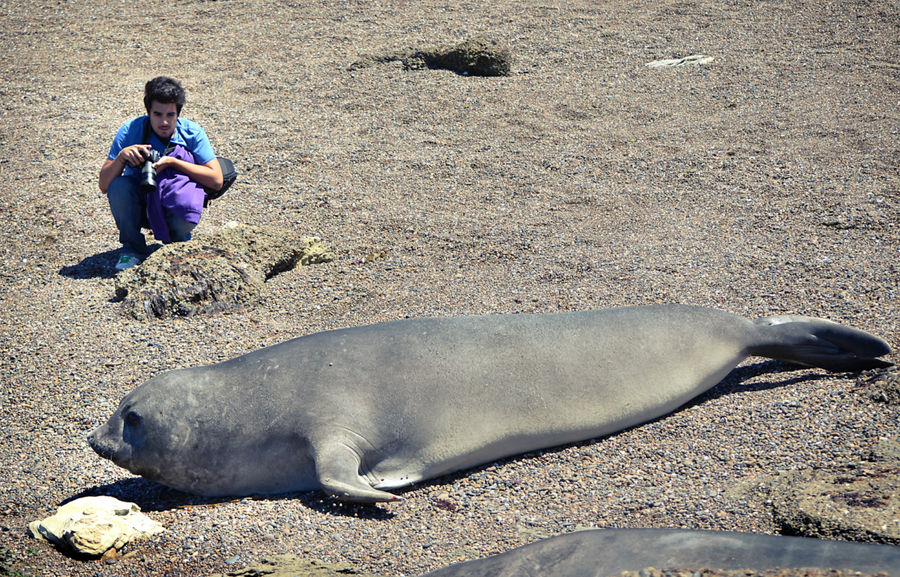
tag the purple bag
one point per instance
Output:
(175, 193)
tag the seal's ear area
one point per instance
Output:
(819, 343)
(337, 468)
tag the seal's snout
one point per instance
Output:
(92, 441)
(95, 440)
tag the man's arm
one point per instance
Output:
(208, 175)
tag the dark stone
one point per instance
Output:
(474, 57)
(292, 566)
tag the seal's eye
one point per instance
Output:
(132, 419)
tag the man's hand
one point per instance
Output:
(113, 167)
(208, 175)
(135, 154)
(164, 163)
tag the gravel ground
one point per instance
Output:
(764, 182)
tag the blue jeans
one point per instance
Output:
(129, 210)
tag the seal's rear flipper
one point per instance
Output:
(337, 468)
(819, 343)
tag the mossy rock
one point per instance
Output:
(853, 502)
(293, 566)
(222, 271)
(474, 57)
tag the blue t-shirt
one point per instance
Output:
(188, 134)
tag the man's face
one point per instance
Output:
(163, 116)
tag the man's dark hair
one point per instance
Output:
(164, 90)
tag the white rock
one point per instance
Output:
(93, 525)
(693, 59)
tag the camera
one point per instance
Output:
(148, 173)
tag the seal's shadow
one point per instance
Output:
(147, 495)
(733, 382)
(151, 496)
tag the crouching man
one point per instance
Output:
(169, 198)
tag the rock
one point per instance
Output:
(884, 384)
(94, 525)
(291, 566)
(886, 451)
(474, 57)
(695, 59)
(224, 270)
(853, 502)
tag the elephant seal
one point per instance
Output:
(355, 411)
(603, 552)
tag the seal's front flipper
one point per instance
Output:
(337, 468)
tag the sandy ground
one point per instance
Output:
(764, 182)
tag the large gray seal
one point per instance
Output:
(359, 410)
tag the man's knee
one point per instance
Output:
(122, 191)
(179, 229)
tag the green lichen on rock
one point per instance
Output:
(224, 270)
(293, 566)
(853, 502)
(474, 57)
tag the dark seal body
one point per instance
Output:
(604, 552)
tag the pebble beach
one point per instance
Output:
(765, 181)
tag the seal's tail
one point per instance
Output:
(819, 343)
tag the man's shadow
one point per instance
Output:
(101, 265)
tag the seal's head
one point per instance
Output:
(142, 435)
(195, 431)
(158, 428)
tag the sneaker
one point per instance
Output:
(127, 261)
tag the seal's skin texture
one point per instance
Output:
(604, 552)
(359, 410)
